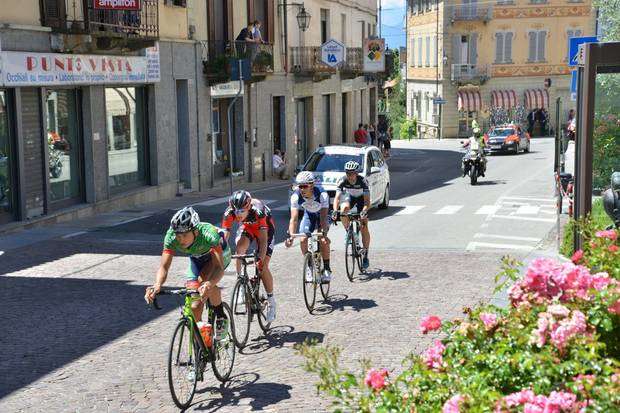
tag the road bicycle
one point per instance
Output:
(312, 270)
(189, 355)
(248, 300)
(353, 251)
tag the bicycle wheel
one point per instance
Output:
(261, 303)
(224, 348)
(183, 365)
(241, 304)
(309, 282)
(349, 258)
(325, 290)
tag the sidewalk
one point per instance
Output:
(13, 239)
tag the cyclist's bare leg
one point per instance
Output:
(242, 246)
(344, 209)
(365, 233)
(303, 244)
(266, 276)
(214, 295)
(325, 248)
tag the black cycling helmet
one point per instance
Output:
(184, 220)
(240, 199)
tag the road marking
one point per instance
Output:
(524, 198)
(517, 203)
(488, 209)
(522, 218)
(211, 202)
(281, 208)
(130, 241)
(472, 246)
(74, 234)
(410, 210)
(510, 237)
(449, 210)
(528, 210)
(127, 221)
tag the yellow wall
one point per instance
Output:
(422, 25)
(172, 21)
(24, 12)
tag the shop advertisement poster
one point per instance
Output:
(117, 4)
(55, 69)
(374, 55)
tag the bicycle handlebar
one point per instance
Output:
(318, 234)
(179, 291)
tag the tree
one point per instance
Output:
(397, 100)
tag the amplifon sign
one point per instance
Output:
(117, 4)
(50, 69)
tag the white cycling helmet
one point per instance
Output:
(304, 177)
(351, 166)
(185, 220)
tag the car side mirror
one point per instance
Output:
(375, 169)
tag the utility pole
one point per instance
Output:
(380, 19)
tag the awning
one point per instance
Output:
(536, 99)
(505, 99)
(469, 101)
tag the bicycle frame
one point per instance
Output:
(253, 283)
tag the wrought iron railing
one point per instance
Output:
(472, 12)
(469, 72)
(354, 63)
(220, 52)
(307, 60)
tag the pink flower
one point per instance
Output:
(577, 256)
(560, 401)
(609, 234)
(430, 323)
(489, 320)
(600, 281)
(452, 405)
(433, 356)
(376, 378)
(558, 310)
(567, 329)
(518, 399)
(589, 379)
(614, 308)
(613, 248)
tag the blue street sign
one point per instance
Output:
(439, 101)
(573, 85)
(573, 48)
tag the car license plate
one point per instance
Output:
(496, 146)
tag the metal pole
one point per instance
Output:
(558, 142)
(230, 106)
(576, 171)
(380, 19)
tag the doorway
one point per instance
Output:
(185, 170)
(279, 123)
(221, 150)
(327, 118)
(7, 163)
(304, 117)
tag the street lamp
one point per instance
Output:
(303, 19)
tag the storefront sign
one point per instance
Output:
(226, 90)
(333, 53)
(54, 69)
(374, 55)
(117, 4)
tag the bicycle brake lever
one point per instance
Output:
(154, 305)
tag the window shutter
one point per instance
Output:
(456, 48)
(542, 37)
(499, 47)
(428, 50)
(473, 48)
(414, 6)
(435, 52)
(411, 51)
(508, 48)
(532, 46)
(419, 52)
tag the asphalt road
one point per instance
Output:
(77, 336)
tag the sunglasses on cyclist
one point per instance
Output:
(304, 186)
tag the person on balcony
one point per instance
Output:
(244, 40)
(256, 34)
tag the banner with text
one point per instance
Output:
(374, 55)
(54, 69)
(117, 4)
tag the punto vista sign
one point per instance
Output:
(52, 69)
(117, 4)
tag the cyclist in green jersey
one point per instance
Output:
(209, 255)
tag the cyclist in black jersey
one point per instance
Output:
(353, 192)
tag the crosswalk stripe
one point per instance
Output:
(409, 210)
(522, 218)
(449, 210)
(528, 210)
(488, 209)
(525, 198)
(509, 237)
(472, 246)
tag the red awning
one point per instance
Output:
(469, 101)
(536, 99)
(506, 99)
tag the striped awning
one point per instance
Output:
(505, 99)
(536, 99)
(469, 100)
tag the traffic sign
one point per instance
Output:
(333, 53)
(573, 50)
(439, 101)
(573, 82)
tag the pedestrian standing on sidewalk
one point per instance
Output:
(279, 165)
(360, 134)
(387, 144)
(372, 133)
(367, 134)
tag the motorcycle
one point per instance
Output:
(473, 163)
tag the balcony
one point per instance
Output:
(306, 61)
(217, 68)
(471, 12)
(469, 73)
(133, 29)
(354, 65)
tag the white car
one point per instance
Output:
(327, 165)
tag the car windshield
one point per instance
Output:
(322, 162)
(502, 132)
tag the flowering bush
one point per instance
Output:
(554, 349)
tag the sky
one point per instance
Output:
(393, 22)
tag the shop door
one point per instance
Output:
(279, 124)
(185, 170)
(302, 131)
(7, 163)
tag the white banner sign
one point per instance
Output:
(55, 69)
(333, 53)
(374, 55)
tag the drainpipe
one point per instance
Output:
(197, 114)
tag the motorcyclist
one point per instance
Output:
(475, 143)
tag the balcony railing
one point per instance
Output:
(81, 17)
(469, 73)
(472, 12)
(354, 64)
(306, 61)
(217, 67)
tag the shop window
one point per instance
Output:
(7, 161)
(125, 120)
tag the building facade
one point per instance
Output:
(491, 61)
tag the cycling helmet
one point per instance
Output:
(304, 177)
(351, 166)
(240, 199)
(184, 220)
